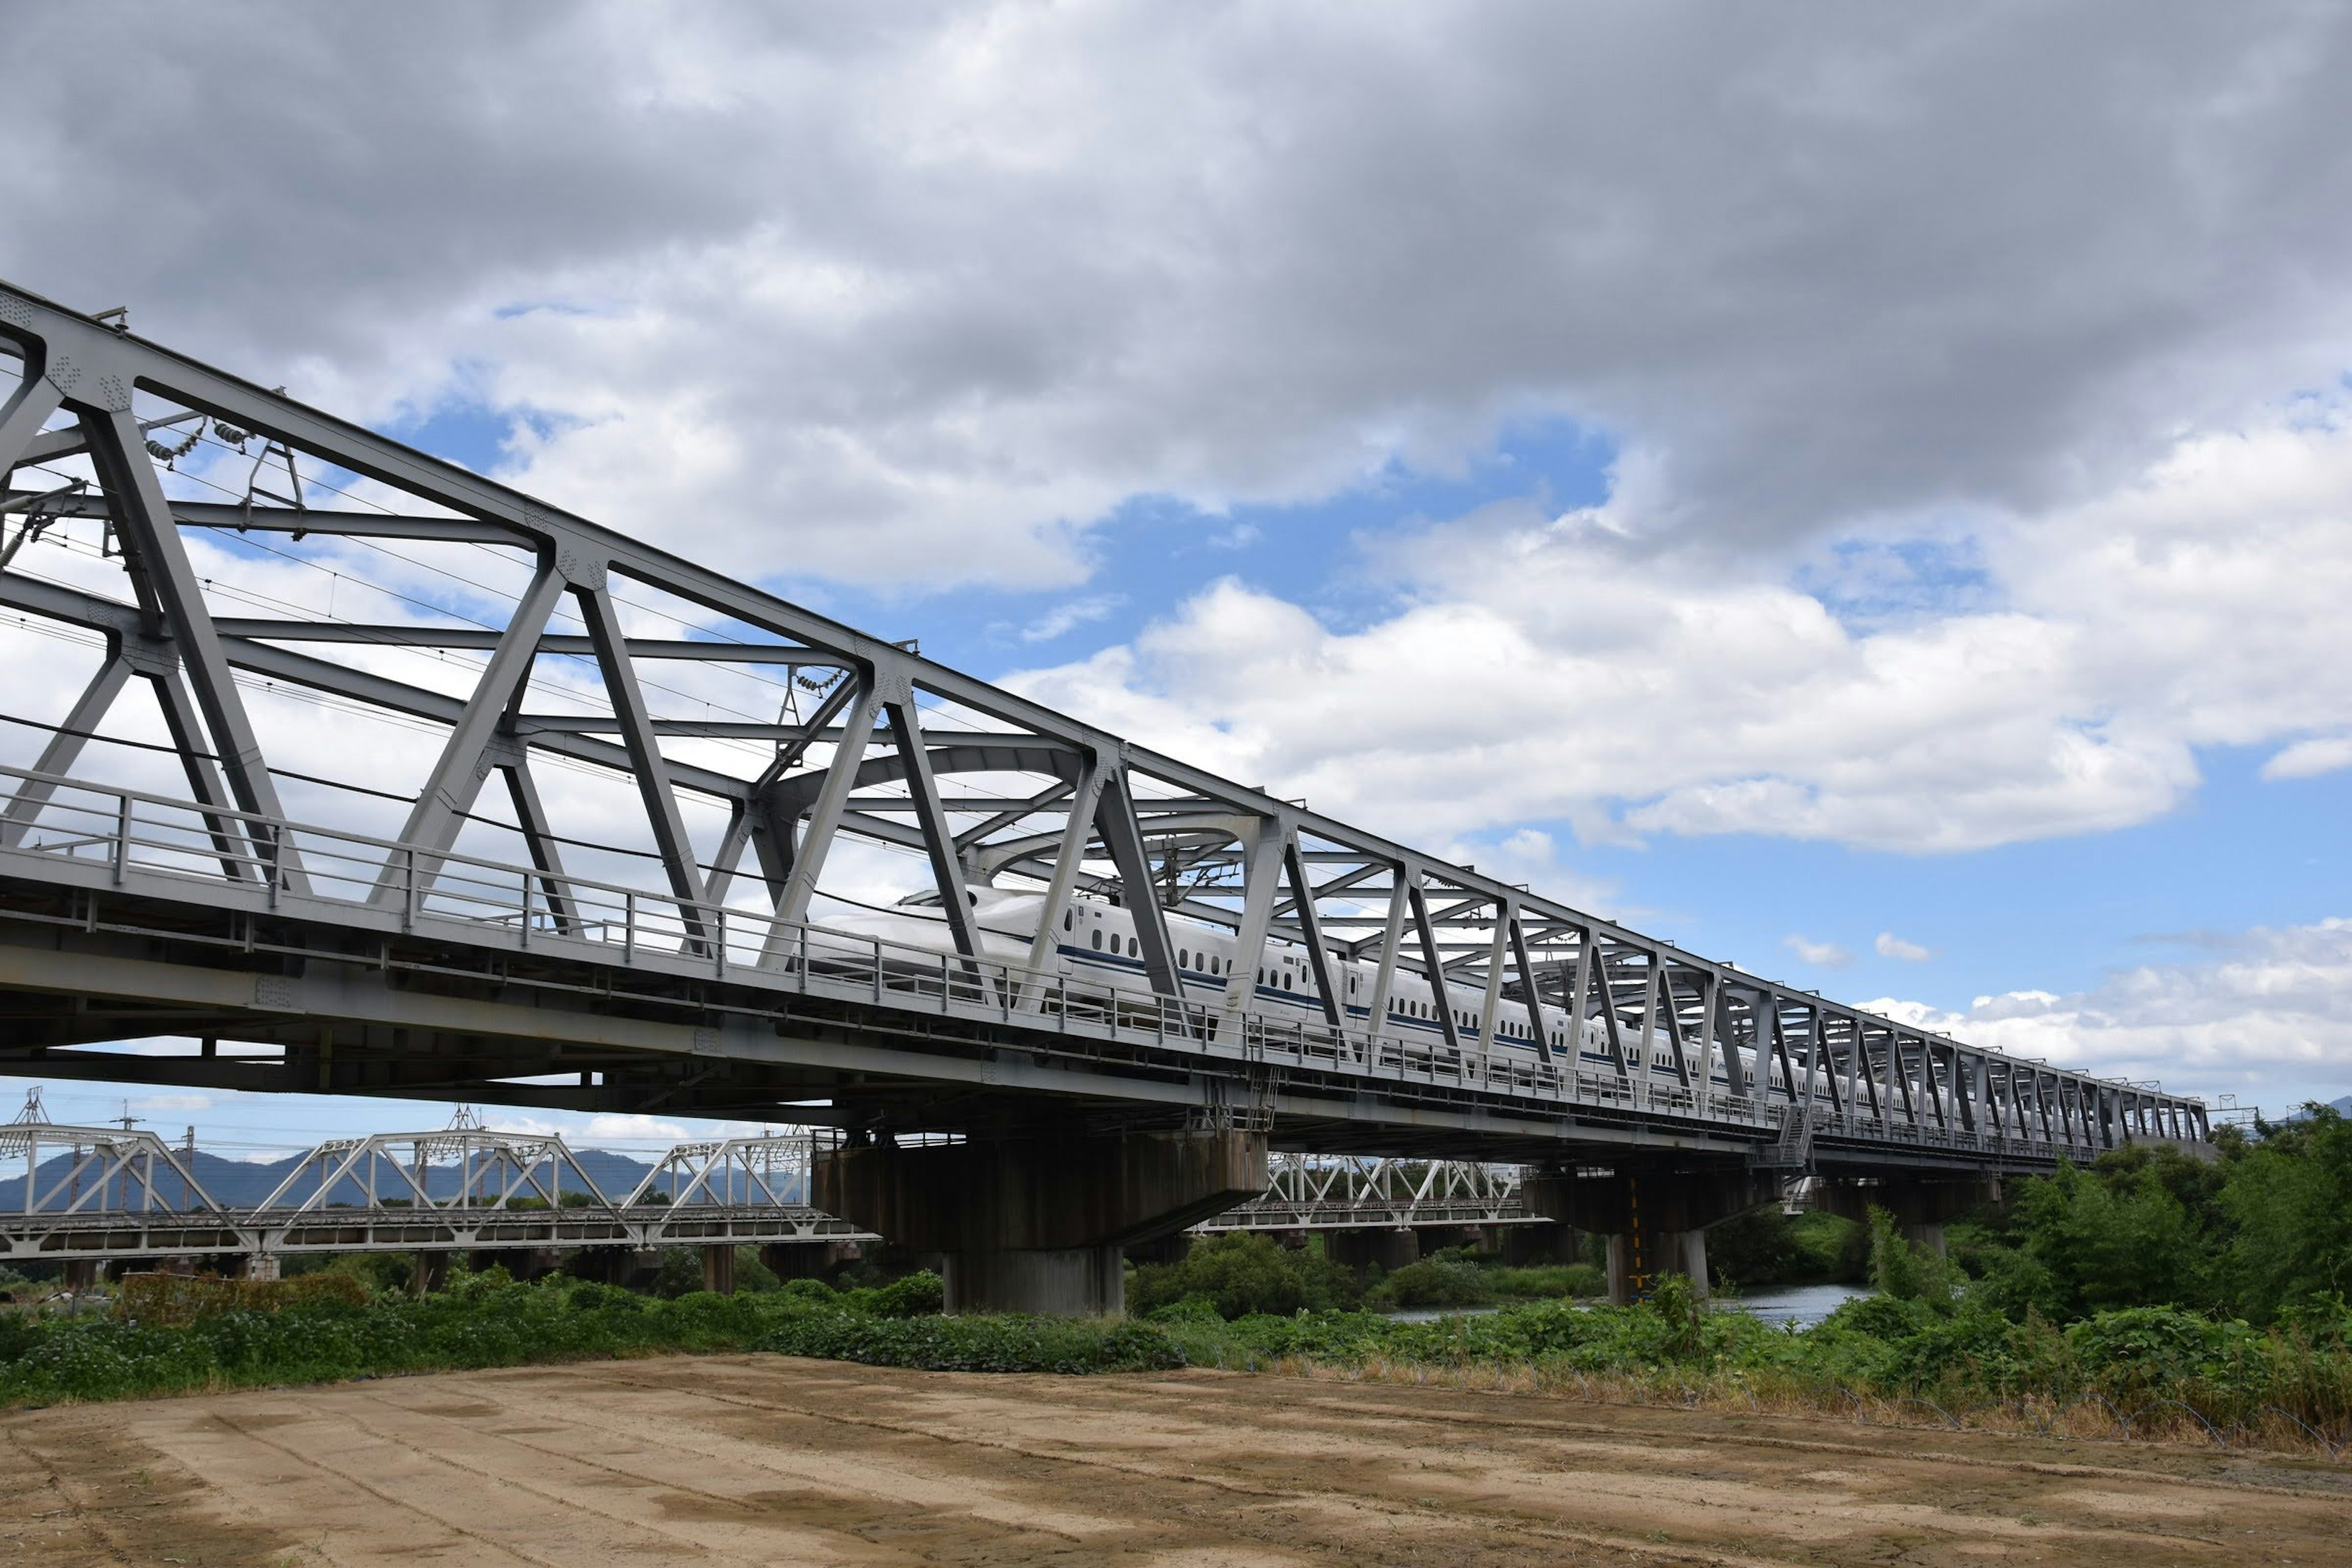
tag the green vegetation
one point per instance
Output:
(489, 1319)
(1239, 1275)
(2263, 1234)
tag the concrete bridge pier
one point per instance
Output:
(1524, 1245)
(1390, 1247)
(431, 1273)
(1653, 1213)
(1037, 1222)
(718, 1268)
(1922, 1206)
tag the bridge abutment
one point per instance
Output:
(1037, 1222)
(1654, 1213)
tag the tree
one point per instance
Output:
(2290, 1197)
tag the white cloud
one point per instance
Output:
(909, 294)
(636, 1129)
(1070, 614)
(1889, 945)
(2267, 1016)
(1578, 669)
(2309, 759)
(1821, 954)
(156, 1104)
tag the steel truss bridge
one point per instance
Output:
(1310, 1192)
(92, 1192)
(282, 662)
(96, 1193)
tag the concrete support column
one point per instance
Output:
(718, 1268)
(1438, 1237)
(1035, 1222)
(1654, 1214)
(1638, 1260)
(261, 1265)
(81, 1274)
(1928, 1233)
(432, 1272)
(1067, 1282)
(1391, 1248)
(1522, 1245)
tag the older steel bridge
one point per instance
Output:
(267, 666)
(103, 1193)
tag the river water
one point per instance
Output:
(1801, 1305)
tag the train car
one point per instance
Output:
(1098, 942)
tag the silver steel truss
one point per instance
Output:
(729, 1172)
(1310, 1192)
(75, 1174)
(419, 935)
(94, 1193)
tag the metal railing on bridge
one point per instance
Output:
(122, 837)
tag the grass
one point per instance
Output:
(2146, 1372)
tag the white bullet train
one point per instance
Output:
(1098, 942)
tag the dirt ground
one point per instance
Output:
(759, 1459)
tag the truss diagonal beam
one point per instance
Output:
(938, 838)
(119, 446)
(647, 766)
(1138, 892)
(81, 720)
(465, 761)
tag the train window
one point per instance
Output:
(1134, 946)
(1096, 935)
(1069, 920)
(1184, 958)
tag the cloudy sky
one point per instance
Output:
(1864, 492)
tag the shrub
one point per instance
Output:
(1434, 1282)
(1241, 1273)
(978, 1345)
(1548, 1281)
